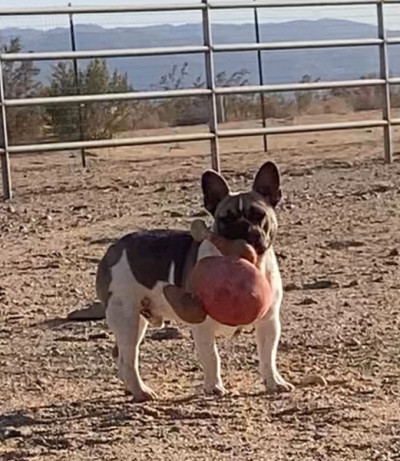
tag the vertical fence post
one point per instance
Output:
(384, 74)
(260, 76)
(77, 84)
(210, 79)
(5, 157)
(221, 105)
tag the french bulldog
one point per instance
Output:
(133, 272)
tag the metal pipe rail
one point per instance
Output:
(60, 10)
(291, 4)
(280, 88)
(90, 54)
(303, 128)
(272, 46)
(240, 47)
(204, 7)
(148, 140)
(107, 97)
(393, 40)
(104, 143)
(143, 95)
(153, 7)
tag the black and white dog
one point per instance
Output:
(134, 271)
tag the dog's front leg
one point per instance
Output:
(268, 331)
(204, 339)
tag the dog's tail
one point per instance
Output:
(97, 310)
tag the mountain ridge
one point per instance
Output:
(283, 66)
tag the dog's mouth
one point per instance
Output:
(259, 246)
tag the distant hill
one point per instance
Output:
(279, 66)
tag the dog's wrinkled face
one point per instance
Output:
(249, 216)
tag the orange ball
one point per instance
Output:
(233, 291)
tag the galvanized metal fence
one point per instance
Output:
(208, 49)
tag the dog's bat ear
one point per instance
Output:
(268, 183)
(215, 188)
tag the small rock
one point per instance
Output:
(198, 214)
(314, 379)
(160, 189)
(93, 312)
(343, 244)
(166, 334)
(176, 214)
(96, 336)
(291, 287)
(382, 187)
(394, 252)
(320, 285)
(10, 433)
(353, 283)
(308, 301)
(353, 342)
(79, 207)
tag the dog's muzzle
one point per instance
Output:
(256, 239)
(243, 230)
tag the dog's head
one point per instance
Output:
(249, 216)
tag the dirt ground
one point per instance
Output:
(338, 249)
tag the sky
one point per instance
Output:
(366, 14)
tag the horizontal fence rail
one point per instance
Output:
(135, 95)
(290, 4)
(121, 53)
(104, 143)
(303, 128)
(141, 95)
(210, 91)
(62, 10)
(298, 45)
(240, 47)
(45, 11)
(96, 144)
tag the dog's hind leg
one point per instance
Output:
(129, 328)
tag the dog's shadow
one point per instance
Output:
(110, 412)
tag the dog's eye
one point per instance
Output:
(256, 215)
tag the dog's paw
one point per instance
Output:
(215, 389)
(277, 385)
(145, 394)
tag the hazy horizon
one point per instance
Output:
(364, 14)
